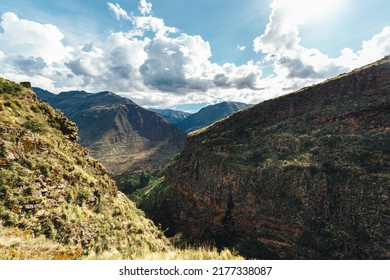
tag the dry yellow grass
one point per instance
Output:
(16, 244)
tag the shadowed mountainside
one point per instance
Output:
(303, 176)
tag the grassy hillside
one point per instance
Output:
(50, 186)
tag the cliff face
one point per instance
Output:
(303, 176)
(50, 186)
(122, 135)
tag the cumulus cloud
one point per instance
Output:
(28, 38)
(162, 62)
(153, 63)
(375, 48)
(293, 64)
(281, 43)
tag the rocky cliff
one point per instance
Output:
(49, 185)
(303, 176)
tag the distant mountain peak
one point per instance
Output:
(210, 114)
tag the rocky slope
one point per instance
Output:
(172, 116)
(303, 176)
(50, 186)
(122, 135)
(209, 115)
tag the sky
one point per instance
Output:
(186, 54)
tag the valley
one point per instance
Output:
(302, 176)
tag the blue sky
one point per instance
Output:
(175, 52)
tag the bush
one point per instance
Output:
(3, 150)
(9, 218)
(9, 87)
(45, 168)
(143, 180)
(83, 196)
(34, 125)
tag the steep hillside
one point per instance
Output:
(50, 186)
(172, 116)
(303, 176)
(209, 115)
(122, 135)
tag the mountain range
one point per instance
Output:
(172, 116)
(125, 137)
(210, 114)
(302, 176)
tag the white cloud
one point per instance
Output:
(375, 48)
(281, 43)
(296, 66)
(155, 64)
(150, 24)
(241, 48)
(28, 38)
(145, 7)
(118, 11)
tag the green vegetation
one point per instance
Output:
(56, 202)
(50, 186)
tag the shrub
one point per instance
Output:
(34, 125)
(8, 87)
(45, 168)
(143, 180)
(9, 218)
(83, 196)
(254, 249)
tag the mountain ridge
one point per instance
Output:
(121, 134)
(210, 114)
(172, 116)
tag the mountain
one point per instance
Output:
(209, 115)
(172, 116)
(50, 186)
(122, 135)
(302, 176)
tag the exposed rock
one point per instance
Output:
(26, 84)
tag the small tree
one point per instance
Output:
(143, 180)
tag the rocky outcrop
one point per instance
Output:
(303, 176)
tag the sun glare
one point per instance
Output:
(302, 10)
